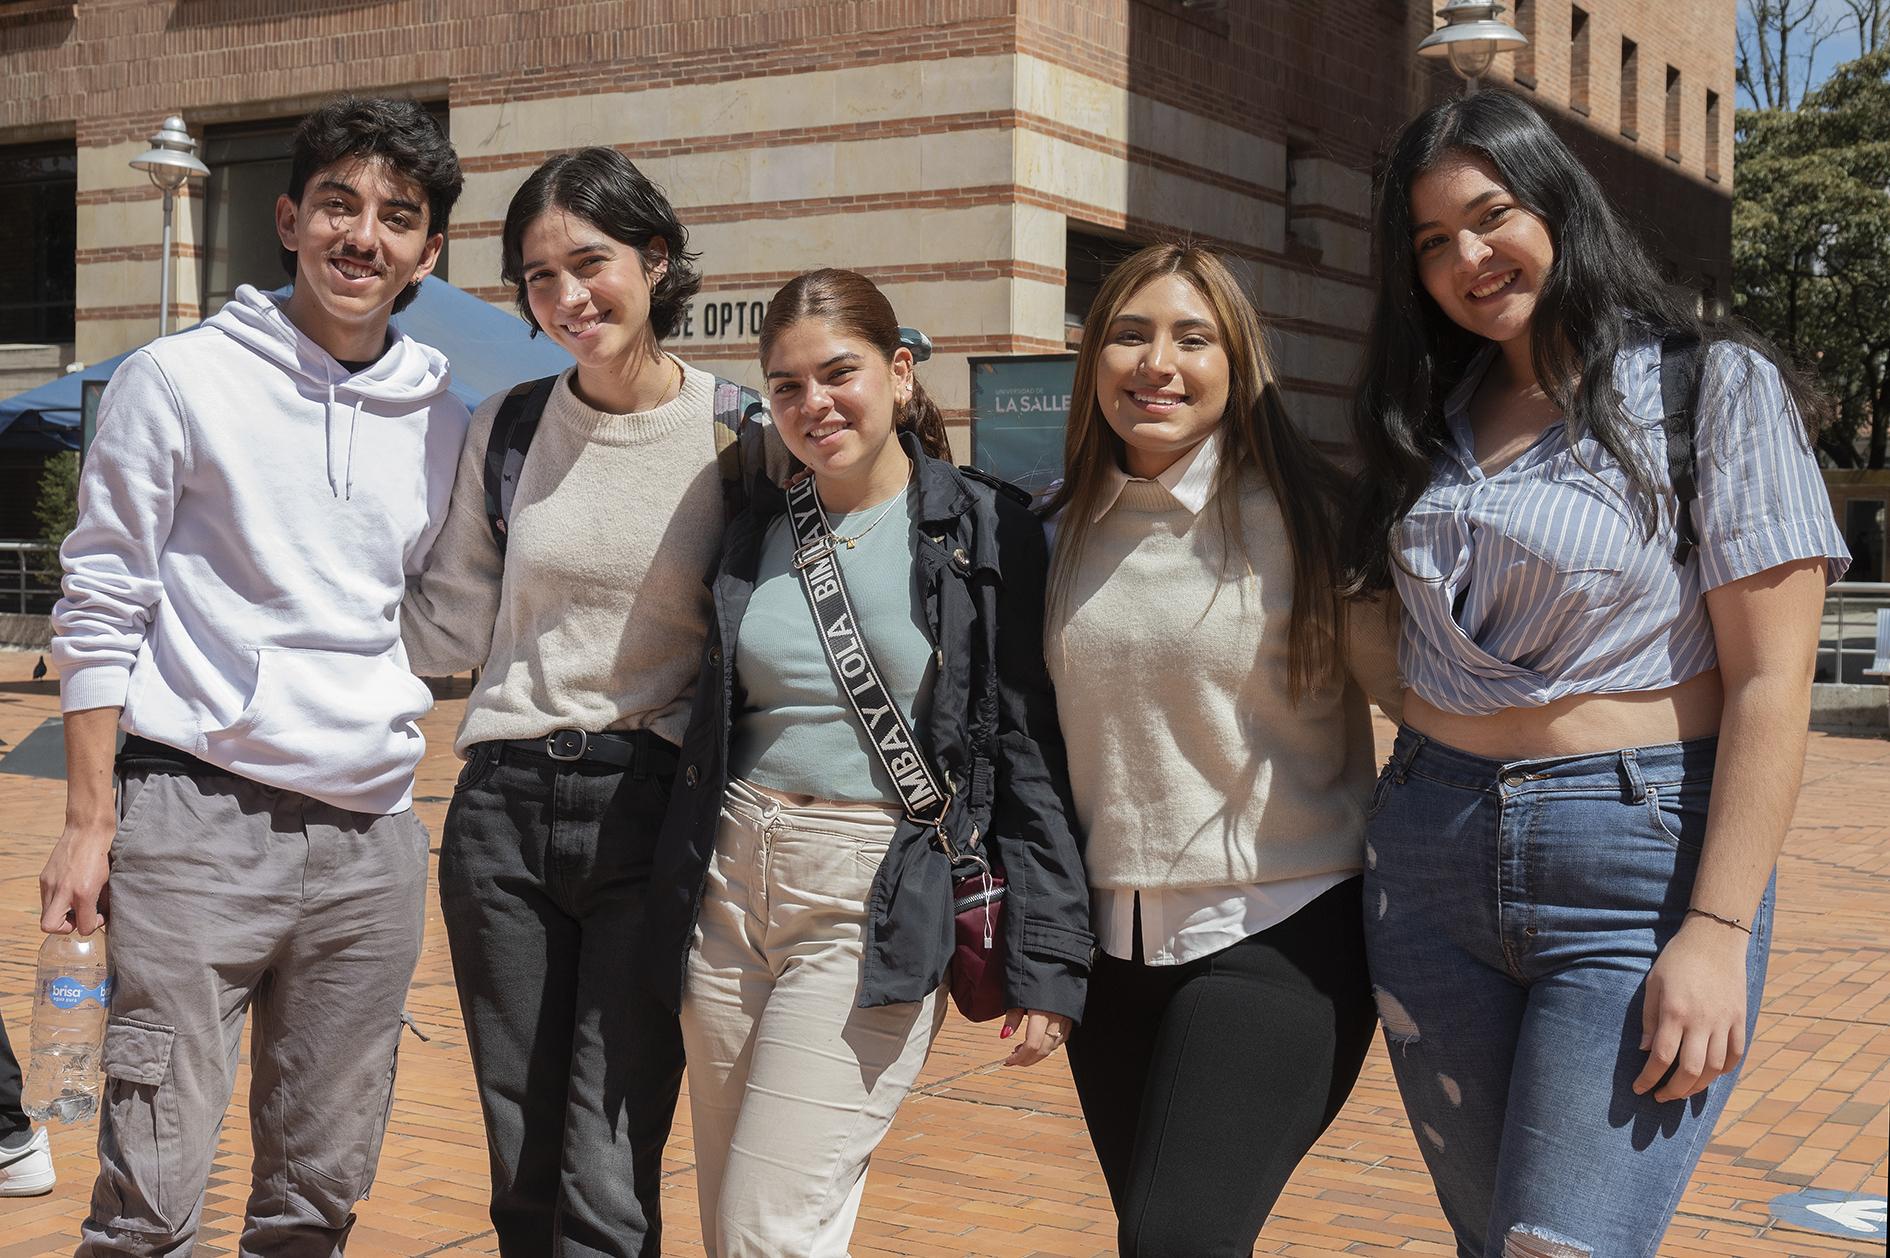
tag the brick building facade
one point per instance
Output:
(972, 156)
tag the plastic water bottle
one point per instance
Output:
(71, 999)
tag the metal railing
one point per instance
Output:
(1849, 635)
(29, 578)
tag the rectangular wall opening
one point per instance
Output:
(1630, 89)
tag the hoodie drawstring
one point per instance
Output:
(354, 426)
(328, 437)
(345, 490)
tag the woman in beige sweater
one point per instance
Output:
(581, 602)
(1211, 687)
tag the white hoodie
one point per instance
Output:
(248, 516)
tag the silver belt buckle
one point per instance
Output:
(567, 744)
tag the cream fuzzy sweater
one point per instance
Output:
(1190, 764)
(597, 618)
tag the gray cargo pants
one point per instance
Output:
(227, 897)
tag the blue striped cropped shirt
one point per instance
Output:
(1536, 583)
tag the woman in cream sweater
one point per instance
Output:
(586, 624)
(1210, 684)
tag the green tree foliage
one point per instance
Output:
(57, 508)
(1811, 245)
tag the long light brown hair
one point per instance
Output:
(1255, 434)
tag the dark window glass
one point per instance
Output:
(1525, 57)
(1674, 102)
(1578, 60)
(1087, 260)
(39, 186)
(1630, 89)
(1712, 135)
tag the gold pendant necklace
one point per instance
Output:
(852, 542)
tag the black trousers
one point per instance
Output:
(544, 866)
(12, 1118)
(1204, 1084)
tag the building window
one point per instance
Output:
(1712, 136)
(39, 186)
(1302, 237)
(1088, 257)
(1864, 534)
(1578, 60)
(1525, 57)
(1630, 89)
(249, 169)
(1673, 114)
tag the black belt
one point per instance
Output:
(146, 755)
(629, 749)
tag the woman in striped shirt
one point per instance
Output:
(1569, 862)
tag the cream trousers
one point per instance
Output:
(790, 1086)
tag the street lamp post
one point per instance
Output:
(170, 161)
(1471, 36)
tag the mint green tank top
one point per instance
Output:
(795, 731)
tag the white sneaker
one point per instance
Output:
(26, 1168)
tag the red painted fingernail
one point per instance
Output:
(1005, 1034)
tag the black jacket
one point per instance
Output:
(992, 736)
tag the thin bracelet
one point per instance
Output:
(1733, 922)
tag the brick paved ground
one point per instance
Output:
(993, 1162)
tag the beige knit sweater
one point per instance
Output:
(1190, 765)
(597, 620)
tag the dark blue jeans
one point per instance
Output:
(1512, 912)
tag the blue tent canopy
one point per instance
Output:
(490, 351)
(47, 418)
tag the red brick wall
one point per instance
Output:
(1333, 71)
(123, 64)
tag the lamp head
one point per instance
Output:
(1471, 36)
(172, 157)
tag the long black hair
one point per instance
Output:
(606, 190)
(1601, 292)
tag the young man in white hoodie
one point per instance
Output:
(260, 489)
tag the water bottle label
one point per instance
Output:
(70, 993)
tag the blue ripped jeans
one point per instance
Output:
(1512, 912)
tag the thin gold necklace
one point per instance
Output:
(851, 542)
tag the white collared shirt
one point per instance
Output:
(1190, 478)
(1185, 924)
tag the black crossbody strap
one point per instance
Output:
(853, 668)
(506, 446)
(1680, 357)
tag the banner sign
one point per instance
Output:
(1018, 407)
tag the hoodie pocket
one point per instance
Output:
(325, 723)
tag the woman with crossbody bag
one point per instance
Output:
(873, 718)
(586, 513)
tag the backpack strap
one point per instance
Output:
(512, 431)
(1681, 356)
(736, 406)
